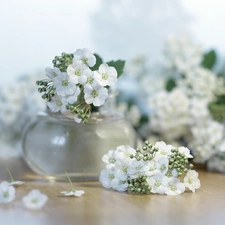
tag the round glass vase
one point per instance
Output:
(53, 144)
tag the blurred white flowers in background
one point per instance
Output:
(181, 100)
(19, 102)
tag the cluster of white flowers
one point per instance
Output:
(19, 102)
(180, 109)
(74, 86)
(164, 108)
(181, 54)
(158, 168)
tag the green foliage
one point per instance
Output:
(99, 61)
(119, 66)
(217, 108)
(170, 84)
(209, 59)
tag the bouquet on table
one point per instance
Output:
(78, 83)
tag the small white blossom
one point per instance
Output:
(73, 192)
(86, 56)
(56, 103)
(7, 192)
(191, 180)
(106, 75)
(64, 85)
(106, 177)
(77, 70)
(162, 164)
(175, 187)
(52, 72)
(159, 183)
(185, 151)
(110, 159)
(95, 93)
(119, 182)
(34, 200)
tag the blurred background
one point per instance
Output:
(161, 42)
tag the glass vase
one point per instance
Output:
(53, 143)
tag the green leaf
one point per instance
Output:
(99, 61)
(119, 66)
(209, 59)
(170, 84)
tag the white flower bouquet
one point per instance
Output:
(158, 168)
(78, 83)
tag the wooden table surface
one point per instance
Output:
(101, 206)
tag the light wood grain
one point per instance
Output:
(101, 206)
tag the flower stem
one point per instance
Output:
(69, 180)
(10, 175)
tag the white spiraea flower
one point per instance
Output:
(73, 192)
(162, 164)
(77, 70)
(110, 158)
(163, 149)
(86, 56)
(106, 177)
(191, 180)
(34, 200)
(87, 77)
(7, 192)
(95, 93)
(119, 182)
(124, 151)
(56, 103)
(52, 72)
(137, 167)
(175, 187)
(64, 85)
(159, 183)
(106, 75)
(185, 151)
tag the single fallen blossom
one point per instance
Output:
(34, 200)
(7, 193)
(12, 182)
(72, 191)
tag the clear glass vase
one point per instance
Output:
(53, 143)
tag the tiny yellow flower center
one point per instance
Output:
(90, 80)
(157, 183)
(58, 103)
(78, 72)
(173, 188)
(111, 176)
(35, 200)
(189, 181)
(85, 60)
(104, 76)
(112, 160)
(94, 93)
(65, 83)
(6, 194)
